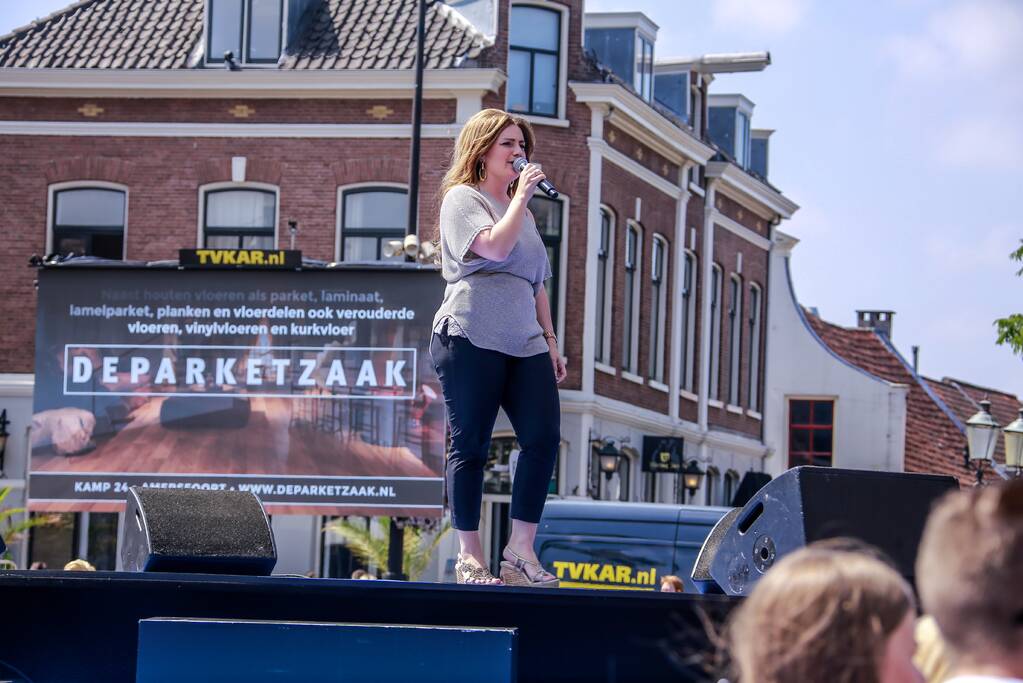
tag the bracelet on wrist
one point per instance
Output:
(548, 336)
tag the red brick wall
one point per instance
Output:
(619, 191)
(742, 215)
(727, 246)
(163, 176)
(640, 153)
(220, 110)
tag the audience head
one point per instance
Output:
(79, 566)
(38, 564)
(967, 573)
(827, 612)
(672, 584)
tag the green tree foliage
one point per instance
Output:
(418, 545)
(1010, 328)
(13, 529)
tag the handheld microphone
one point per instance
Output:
(548, 189)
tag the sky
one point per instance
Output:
(897, 134)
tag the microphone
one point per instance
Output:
(544, 185)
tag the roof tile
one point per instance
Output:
(131, 34)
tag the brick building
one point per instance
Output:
(127, 133)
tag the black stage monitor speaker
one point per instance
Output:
(188, 530)
(805, 504)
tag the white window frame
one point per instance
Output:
(735, 325)
(212, 187)
(242, 59)
(755, 315)
(638, 70)
(742, 137)
(608, 294)
(631, 326)
(714, 387)
(658, 308)
(559, 324)
(51, 205)
(559, 118)
(338, 217)
(687, 363)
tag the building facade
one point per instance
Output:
(129, 133)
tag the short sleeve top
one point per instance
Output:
(491, 303)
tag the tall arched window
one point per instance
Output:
(734, 337)
(658, 306)
(715, 332)
(549, 216)
(605, 279)
(753, 381)
(688, 311)
(371, 217)
(731, 485)
(630, 317)
(534, 48)
(712, 480)
(89, 221)
(239, 218)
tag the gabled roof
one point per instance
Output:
(168, 34)
(934, 442)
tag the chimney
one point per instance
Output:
(879, 321)
(916, 359)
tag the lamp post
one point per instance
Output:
(608, 457)
(692, 475)
(1014, 444)
(4, 422)
(981, 437)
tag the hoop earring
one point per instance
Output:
(482, 171)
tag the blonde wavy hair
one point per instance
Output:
(820, 614)
(477, 137)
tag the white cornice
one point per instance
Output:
(224, 130)
(740, 230)
(745, 188)
(16, 385)
(630, 166)
(641, 121)
(254, 83)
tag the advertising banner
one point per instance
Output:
(314, 389)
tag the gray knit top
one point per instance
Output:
(490, 303)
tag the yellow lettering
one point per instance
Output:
(607, 573)
(653, 575)
(203, 254)
(560, 566)
(217, 257)
(642, 577)
(243, 258)
(623, 574)
(590, 572)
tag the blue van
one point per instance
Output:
(628, 546)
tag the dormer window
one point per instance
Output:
(249, 29)
(643, 79)
(624, 43)
(534, 46)
(759, 146)
(671, 90)
(728, 126)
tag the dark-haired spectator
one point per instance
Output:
(826, 614)
(967, 570)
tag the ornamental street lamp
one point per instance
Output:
(981, 438)
(608, 458)
(692, 476)
(1014, 444)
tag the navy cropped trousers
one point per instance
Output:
(476, 382)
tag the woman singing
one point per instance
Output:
(493, 344)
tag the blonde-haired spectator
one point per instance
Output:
(967, 573)
(826, 614)
(79, 566)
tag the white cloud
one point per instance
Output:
(968, 35)
(773, 16)
(981, 250)
(981, 143)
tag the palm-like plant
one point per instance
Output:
(417, 545)
(14, 530)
